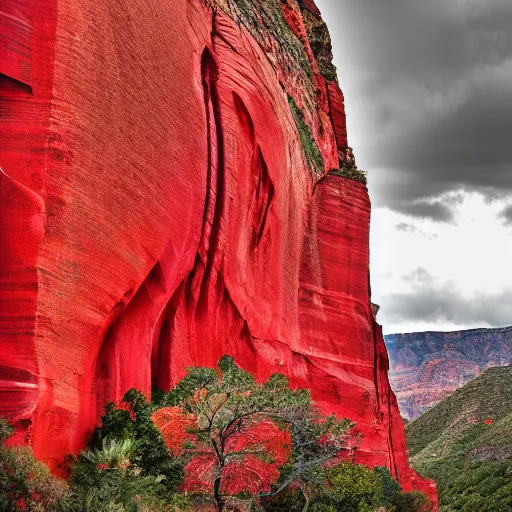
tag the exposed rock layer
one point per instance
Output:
(165, 200)
(428, 366)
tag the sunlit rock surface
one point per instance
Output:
(166, 199)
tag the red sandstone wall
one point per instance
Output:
(157, 211)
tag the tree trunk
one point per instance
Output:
(307, 497)
(216, 484)
(219, 502)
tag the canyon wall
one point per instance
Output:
(176, 185)
(428, 366)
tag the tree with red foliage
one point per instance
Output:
(174, 424)
(243, 432)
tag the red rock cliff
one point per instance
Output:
(167, 198)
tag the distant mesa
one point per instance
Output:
(425, 367)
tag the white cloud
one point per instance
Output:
(467, 261)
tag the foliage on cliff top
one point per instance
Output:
(348, 166)
(465, 444)
(351, 174)
(320, 41)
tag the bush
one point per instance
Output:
(131, 420)
(103, 479)
(353, 488)
(6, 430)
(97, 489)
(113, 454)
(289, 500)
(322, 507)
(25, 483)
(390, 488)
(107, 480)
(413, 501)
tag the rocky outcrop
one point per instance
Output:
(168, 198)
(428, 366)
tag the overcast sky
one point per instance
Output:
(428, 90)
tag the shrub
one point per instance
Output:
(106, 479)
(25, 483)
(413, 501)
(113, 453)
(132, 420)
(390, 488)
(289, 500)
(6, 430)
(353, 488)
(97, 489)
(322, 507)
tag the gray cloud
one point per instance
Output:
(429, 102)
(433, 302)
(406, 228)
(506, 215)
(420, 275)
(437, 211)
(413, 230)
(429, 111)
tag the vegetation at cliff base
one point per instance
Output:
(219, 440)
(464, 443)
(25, 483)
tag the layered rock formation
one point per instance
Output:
(172, 191)
(428, 366)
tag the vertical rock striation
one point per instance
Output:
(173, 190)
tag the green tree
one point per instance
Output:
(390, 487)
(413, 501)
(316, 439)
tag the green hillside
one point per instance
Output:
(465, 444)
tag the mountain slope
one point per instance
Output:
(465, 444)
(428, 366)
